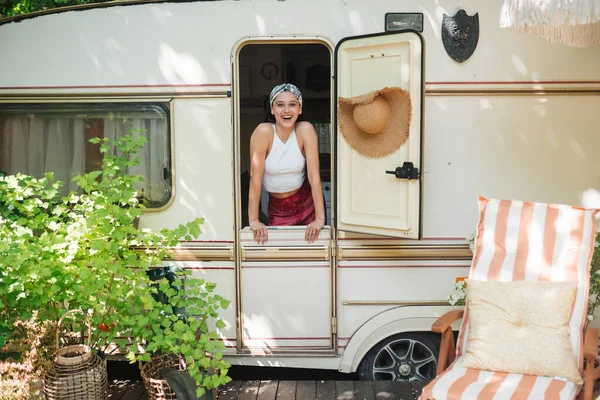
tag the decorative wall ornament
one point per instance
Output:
(460, 34)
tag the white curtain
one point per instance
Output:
(34, 146)
(568, 22)
(152, 155)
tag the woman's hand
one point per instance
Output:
(260, 232)
(313, 229)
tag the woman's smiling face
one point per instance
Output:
(286, 108)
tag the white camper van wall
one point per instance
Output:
(376, 123)
(460, 34)
(568, 22)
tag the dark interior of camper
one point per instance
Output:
(263, 66)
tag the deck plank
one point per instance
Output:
(229, 391)
(286, 390)
(344, 390)
(249, 390)
(325, 390)
(267, 390)
(364, 390)
(306, 390)
(402, 391)
(289, 390)
(384, 390)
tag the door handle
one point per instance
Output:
(406, 171)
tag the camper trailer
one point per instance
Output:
(517, 119)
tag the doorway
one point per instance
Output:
(286, 286)
(262, 67)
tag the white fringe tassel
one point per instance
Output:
(569, 22)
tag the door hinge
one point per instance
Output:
(334, 325)
(333, 249)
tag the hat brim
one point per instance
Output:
(392, 137)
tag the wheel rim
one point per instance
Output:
(405, 360)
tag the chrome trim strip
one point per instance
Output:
(414, 252)
(189, 252)
(285, 253)
(423, 303)
(304, 352)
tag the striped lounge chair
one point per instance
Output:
(523, 241)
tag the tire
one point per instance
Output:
(405, 357)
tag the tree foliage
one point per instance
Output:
(10, 8)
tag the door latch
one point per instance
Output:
(406, 171)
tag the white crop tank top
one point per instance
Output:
(285, 165)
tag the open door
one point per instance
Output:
(371, 197)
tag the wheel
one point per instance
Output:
(405, 357)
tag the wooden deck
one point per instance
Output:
(289, 390)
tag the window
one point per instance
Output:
(40, 138)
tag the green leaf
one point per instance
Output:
(220, 324)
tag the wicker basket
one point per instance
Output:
(76, 373)
(156, 387)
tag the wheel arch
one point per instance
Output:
(401, 319)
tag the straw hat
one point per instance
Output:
(377, 123)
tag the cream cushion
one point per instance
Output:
(521, 327)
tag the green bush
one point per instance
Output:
(83, 252)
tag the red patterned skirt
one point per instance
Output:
(297, 209)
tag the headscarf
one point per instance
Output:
(285, 87)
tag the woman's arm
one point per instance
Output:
(311, 152)
(259, 145)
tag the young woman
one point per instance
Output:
(284, 157)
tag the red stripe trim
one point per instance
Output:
(285, 240)
(286, 338)
(286, 347)
(398, 239)
(284, 266)
(509, 82)
(400, 266)
(208, 241)
(444, 238)
(189, 85)
(210, 268)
